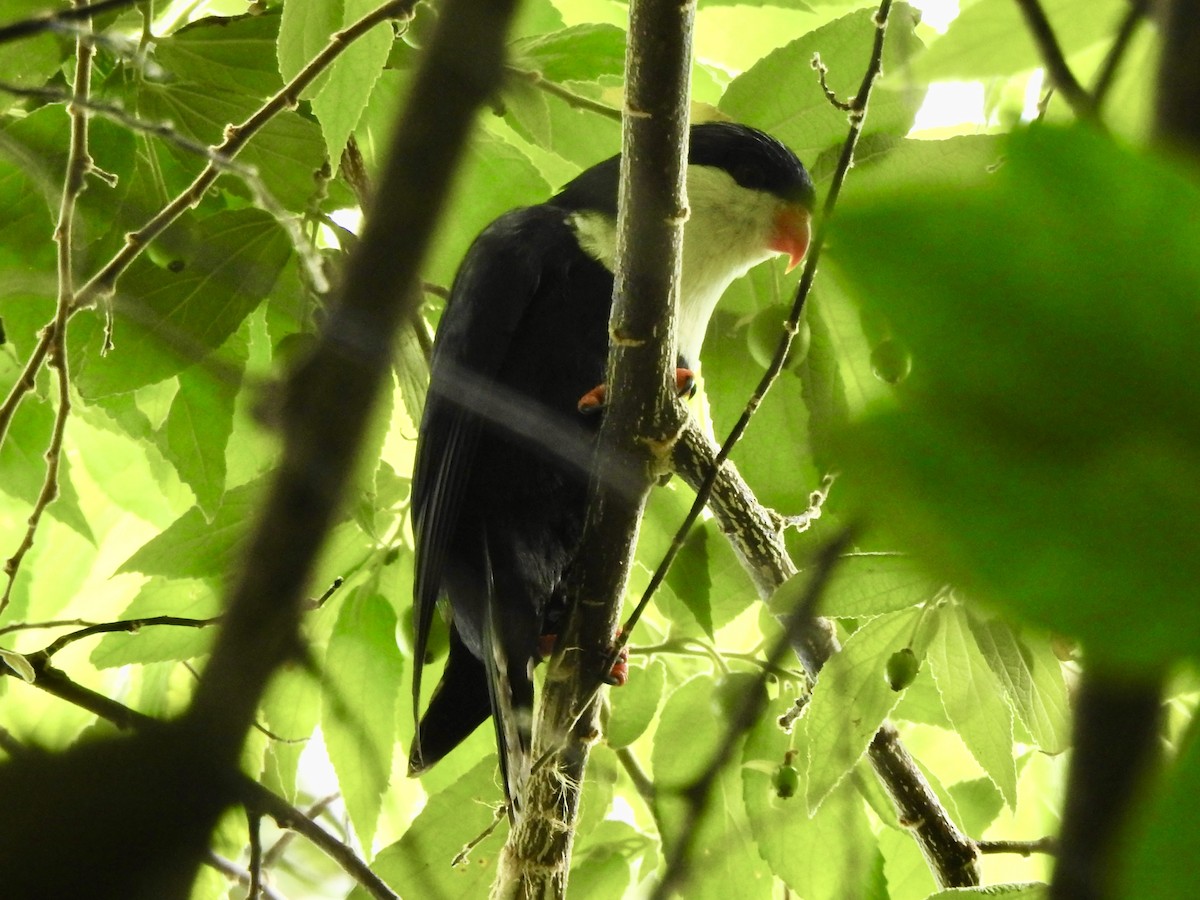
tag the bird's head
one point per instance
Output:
(749, 198)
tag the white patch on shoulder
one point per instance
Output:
(727, 232)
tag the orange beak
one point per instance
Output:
(793, 229)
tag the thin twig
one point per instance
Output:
(1024, 848)
(578, 101)
(1081, 102)
(275, 851)
(254, 826)
(49, 21)
(232, 870)
(58, 623)
(499, 814)
(79, 164)
(696, 795)
(1116, 53)
(127, 625)
(57, 683)
(823, 70)
(103, 283)
(642, 782)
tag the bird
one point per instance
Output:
(506, 439)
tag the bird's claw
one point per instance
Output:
(597, 398)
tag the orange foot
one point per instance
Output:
(596, 399)
(620, 670)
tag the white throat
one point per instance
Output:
(727, 232)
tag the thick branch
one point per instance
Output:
(759, 545)
(642, 420)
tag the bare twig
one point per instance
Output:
(822, 71)
(231, 870)
(1116, 53)
(1081, 102)
(572, 99)
(275, 851)
(1023, 848)
(127, 625)
(49, 21)
(79, 163)
(254, 827)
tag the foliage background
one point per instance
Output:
(1041, 455)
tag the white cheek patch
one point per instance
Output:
(728, 231)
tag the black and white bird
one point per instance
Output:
(505, 444)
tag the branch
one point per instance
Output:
(641, 422)
(79, 163)
(759, 545)
(1081, 102)
(256, 797)
(572, 99)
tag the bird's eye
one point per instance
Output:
(748, 175)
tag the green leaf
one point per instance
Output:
(1032, 679)
(634, 706)
(418, 865)
(781, 93)
(285, 153)
(291, 708)
(23, 461)
(688, 577)
(850, 700)
(1052, 389)
(195, 547)
(363, 668)
(304, 30)
(978, 802)
(991, 38)
(974, 700)
(872, 584)
(344, 95)
(600, 862)
(819, 857)
(165, 321)
(19, 664)
(32, 61)
(230, 55)
(579, 53)
(200, 422)
(162, 597)
(690, 730)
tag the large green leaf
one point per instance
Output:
(579, 53)
(1051, 316)
(691, 728)
(167, 319)
(781, 94)
(974, 701)
(195, 546)
(418, 865)
(200, 422)
(162, 597)
(344, 95)
(363, 670)
(850, 700)
(871, 584)
(819, 857)
(1032, 679)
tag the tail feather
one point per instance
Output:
(460, 703)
